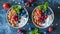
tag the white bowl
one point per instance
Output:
(48, 22)
(23, 23)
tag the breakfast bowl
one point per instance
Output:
(17, 16)
(42, 18)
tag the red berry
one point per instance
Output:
(6, 6)
(27, 4)
(20, 31)
(15, 18)
(31, 0)
(39, 20)
(44, 17)
(50, 29)
(39, 12)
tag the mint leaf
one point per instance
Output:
(40, 7)
(46, 6)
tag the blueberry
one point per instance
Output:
(23, 12)
(22, 2)
(32, 4)
(19, 15)
(43, 11)
(18, 21)
(49, 12)
(29, 28)
(45, 32)
(25, 16)
(22, 33)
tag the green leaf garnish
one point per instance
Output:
(40, 7)
(17, 8)
(31, 32)
(35, 31)
(20, 7)
(46, 6)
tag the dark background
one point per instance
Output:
(7, 29)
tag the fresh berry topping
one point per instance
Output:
(39, 12)
(44, 17)
(27, 4)
(50, 29)
(23, 11)
(49, 12)
(39, 20)
(6, 6)
(15, 18)
(18, 21)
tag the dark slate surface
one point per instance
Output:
(7, 29)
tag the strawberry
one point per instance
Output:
(39, 12)
(6, 6)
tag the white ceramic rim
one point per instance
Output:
(48, 25)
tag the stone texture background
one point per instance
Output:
(7, 29)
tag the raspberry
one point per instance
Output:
(50, 29)
(6, 6)
(27, 4)
(15, 18)
(31, 0)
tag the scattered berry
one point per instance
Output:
(32, 4)
(27, 4)
(20, 31)
(50, 29)
(31, 1)
(29, 28)
(6, 6)
(45, 32)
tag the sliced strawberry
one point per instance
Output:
(39, 12)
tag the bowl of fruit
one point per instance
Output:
(42, 16)
(17, 16)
